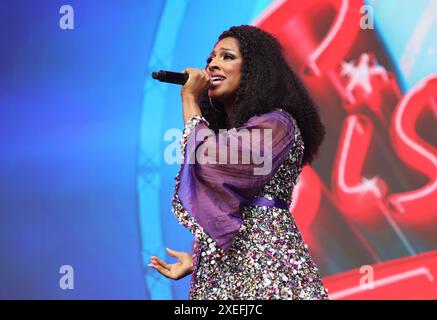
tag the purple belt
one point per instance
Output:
(278, 203)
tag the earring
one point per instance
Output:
(212, 105)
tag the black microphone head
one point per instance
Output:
(170, 76)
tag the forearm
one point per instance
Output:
(190, 107)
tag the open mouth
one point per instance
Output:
(216, 81)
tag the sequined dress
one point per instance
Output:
(268, 258)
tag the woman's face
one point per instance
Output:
(225, 61)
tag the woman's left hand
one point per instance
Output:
(176, 270)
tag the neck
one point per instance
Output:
(230, 115)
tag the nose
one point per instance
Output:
(212, 68)
(212, 65)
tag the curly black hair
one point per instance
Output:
(267, 82)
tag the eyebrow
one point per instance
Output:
(224, 49)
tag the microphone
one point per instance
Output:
(170, 76)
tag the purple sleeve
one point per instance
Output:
(235, 166)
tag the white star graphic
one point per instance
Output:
(360, 74)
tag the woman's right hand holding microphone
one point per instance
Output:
(198, 81)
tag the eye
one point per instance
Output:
(226, 56)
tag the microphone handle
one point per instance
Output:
(170, 77)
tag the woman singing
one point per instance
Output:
(247, 245)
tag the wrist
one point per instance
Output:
(188, 96)
(190, 106)
(190, 266)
